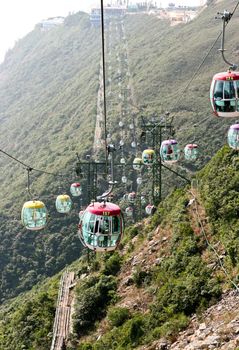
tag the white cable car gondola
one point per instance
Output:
(101, 226)
(34, 215)
(233, 136)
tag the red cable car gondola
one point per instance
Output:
(101, 226)
(75, 189)
(224, 94)
(169, 151)
(191, 152)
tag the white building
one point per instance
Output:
(49, 23)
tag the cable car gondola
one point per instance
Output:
(63, 203)
(137, 164)
(34, 215)
(169, 151)
(224, 94)
(124, 179)
(139, 180)
(101, 226)
(148, 156)
(191, 152)
(75, 189)
(150, 209)
(233, 136)
(131, 197)
(129, 212)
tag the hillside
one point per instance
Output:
(168, 271)
(48, 93)
(47, 115)
(163, 59)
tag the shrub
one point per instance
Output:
(139, 277)
(118, 315)
(112, 265)
(92, 299)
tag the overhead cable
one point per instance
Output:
(28, 167)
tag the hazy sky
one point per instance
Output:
(18, 17)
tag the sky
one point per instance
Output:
(18, 17)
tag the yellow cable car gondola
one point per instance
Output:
(63, 203)
(34, 215)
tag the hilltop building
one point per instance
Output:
(50, 23)
(109, 11)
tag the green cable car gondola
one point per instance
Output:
(63, 203)
(34, 215)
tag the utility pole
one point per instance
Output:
(152, 133)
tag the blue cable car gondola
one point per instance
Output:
(233, 136)
(75, 189)
(101, 226)
(224, 94)
(34, 215)
(191, 152)
(63, 203)
(169, 151)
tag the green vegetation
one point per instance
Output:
(27, 322)
(181, 284)
(92, 299)
(47, 115)
(48, 92)
(220, 193)
(117, 316)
